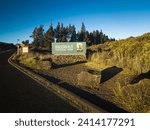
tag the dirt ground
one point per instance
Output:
(109, 78)
(66, 76)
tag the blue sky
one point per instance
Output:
(117, 18)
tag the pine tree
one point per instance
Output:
(49, 37)
(41, 36)
(105, 38)
(83, 29)
(94, 37)
(63, 33)
(101, 36)
(58, 32)
(26, 42)
(73, 37)
(71, 33)
(98, 38)
(34, 35)
(91, 38)
(82, 33)
(87, 38)
(38, 37)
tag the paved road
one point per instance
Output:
(19, 93)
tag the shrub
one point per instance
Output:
(132, 53)
(134, 98)
(34, 61)
(44, 61)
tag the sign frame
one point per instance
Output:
(69, 48)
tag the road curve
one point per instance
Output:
(20, 94)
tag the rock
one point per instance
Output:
(68, 59)
(88, 79)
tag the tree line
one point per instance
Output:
(66, 34)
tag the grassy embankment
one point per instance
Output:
(46, 61)
(133, 56)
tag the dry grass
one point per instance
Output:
(133, 55)
(98, 61)
(40, 61)
(34, 61)
(134, 98)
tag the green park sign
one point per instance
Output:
(64, 48)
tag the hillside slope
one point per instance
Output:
(132, 53)
(130, 88)
(6, 46)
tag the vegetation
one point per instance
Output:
(39, 61)
(133, 56)
(64, 34)
(132, 53)
(129, 88)
(134, 98)
(34, 61)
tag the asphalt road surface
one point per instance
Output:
(20, 94)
